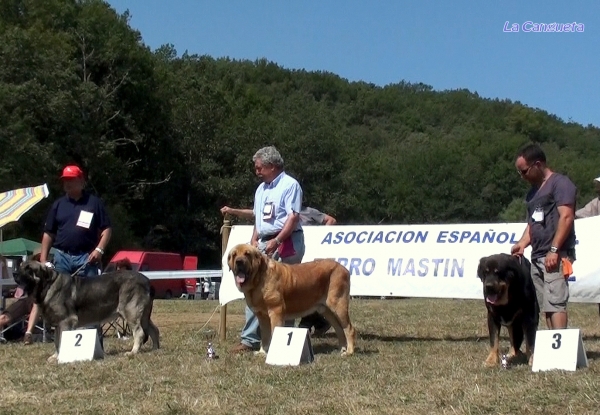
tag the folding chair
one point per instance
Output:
(119, 326)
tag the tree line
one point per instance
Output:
(168, 138)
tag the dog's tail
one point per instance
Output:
(152, 294)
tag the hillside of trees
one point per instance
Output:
(168, 138)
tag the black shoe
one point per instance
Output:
(305, 324)
(321, 329)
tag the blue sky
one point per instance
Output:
(446, 44)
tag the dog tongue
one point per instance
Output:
(492, 298)
(240, 278)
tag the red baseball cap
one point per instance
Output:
(71, 172)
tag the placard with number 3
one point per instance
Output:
(558, 349)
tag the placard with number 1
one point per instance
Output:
(290, 346)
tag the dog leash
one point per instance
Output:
(76, 271)
(210, 318)
(79, 269)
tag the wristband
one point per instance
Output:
(49, 264)
(99, 250)
(277, 241)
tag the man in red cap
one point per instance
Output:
(78, 227)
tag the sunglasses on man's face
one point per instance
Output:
(524, 172)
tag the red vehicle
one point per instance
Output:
(161, 261)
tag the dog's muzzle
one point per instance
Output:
(493, 292)
(240, 271)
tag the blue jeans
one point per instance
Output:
(250, 332)
(69, 264)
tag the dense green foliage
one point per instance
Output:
(167, 139)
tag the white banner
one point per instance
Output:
(438, 261)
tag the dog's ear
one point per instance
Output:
(231, 258)
(512, 269)
(29, 272)
(258, 259)
(481, 268)
(37, 270)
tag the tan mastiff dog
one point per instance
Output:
(277, 292)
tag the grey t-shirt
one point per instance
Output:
(542, 213)
(311, 216)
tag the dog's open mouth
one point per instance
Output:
(495, 295)
(240, 278)
(491, 298)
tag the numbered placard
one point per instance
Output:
(290, 346)
(558, 349)
(79, 345)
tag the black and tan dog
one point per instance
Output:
(277, 292)
(70, 302)
(510, 299)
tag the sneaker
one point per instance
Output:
(27, 339)
(242, 348)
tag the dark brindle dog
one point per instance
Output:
(70, 302)
(510, 300)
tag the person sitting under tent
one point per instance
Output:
(18, 310)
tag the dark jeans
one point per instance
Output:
(315, 320)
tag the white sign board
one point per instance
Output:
(436, 261)
(558, 349)
(290, 346)
(79, 345)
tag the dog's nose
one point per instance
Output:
(490, 287)
(239, 260)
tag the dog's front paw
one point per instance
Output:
(53, 358)
(130, 354)
(344, 352)
(492, 360)
(261, 352)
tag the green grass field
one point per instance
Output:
(414, 356)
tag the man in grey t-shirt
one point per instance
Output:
(593, 206)
(550, 231)
(311, 216)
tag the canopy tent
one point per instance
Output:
(20, 247)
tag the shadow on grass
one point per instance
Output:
(593, 355)
(590, 337)
(326, 348)
(403, 338)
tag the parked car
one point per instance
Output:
(160, 261)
